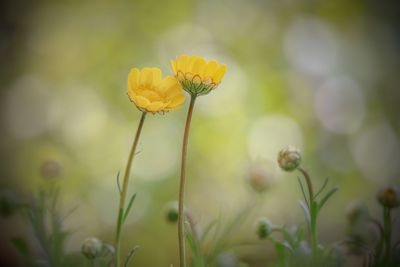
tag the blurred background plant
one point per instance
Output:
(321, 75)
(375, 240)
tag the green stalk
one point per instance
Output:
(387, 226)
(181, 215)
(313, 215)
(124, 190)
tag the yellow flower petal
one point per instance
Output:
(174, 67)
(182, 63)
(191, 61)
(155, 106)
(156, 76)
(210, 69)
(133, 79)
(169, 84)
(146, 77)
(176, 101)
(198, 66)
(219, 74)
(150, 95)
(140, 101)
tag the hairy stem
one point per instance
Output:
(181, 215)
(124, 190)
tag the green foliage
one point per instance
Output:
(206, 255)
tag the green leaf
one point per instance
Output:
(304, 192)
(208, 229)
(130, 254)
(21, 246)
(197, 256)
(280, 249)
(118, 183)
(322, 187)
(287, 235)
(326, 197)
(129, 207)
(306, 212)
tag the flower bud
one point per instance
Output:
(289, 158)
(389, 197)
(92, 247)
(260, 177)
(264, 228)
(172, 212)
(356, 211)
(50, 169)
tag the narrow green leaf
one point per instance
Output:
(304, 192)
(306, 212)
(287, 236)
(322, 187)
(208, 229)
(118, 183)
(326, 197)
(129, 207)
(130, 254)
(197, 257)
(281, 251)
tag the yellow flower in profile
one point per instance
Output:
(152, 93)
(196, 75)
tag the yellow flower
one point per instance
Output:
(152, 93)
(197, 76)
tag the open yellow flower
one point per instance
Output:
(152, 93)
(196, 75)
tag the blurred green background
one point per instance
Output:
(321, 75)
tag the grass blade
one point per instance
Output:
(306, 212)
(304, 192)
(322, 187)
(208, 229)
(327, 196)
(118, 183)
(130, 254)
(129, 207)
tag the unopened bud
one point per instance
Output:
(264, 228)
(356, 211)
(260, 177)
(289, 158)
(50, 169)
(92, 247)
(172, 212)
(389, 197)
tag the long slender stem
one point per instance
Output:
(387, 226)
(181, 215)
(313, 214)
(124, 190)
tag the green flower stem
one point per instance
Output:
(387, 226)
(313, 214)
(124, 190)
(181, 215)
(309, 184)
